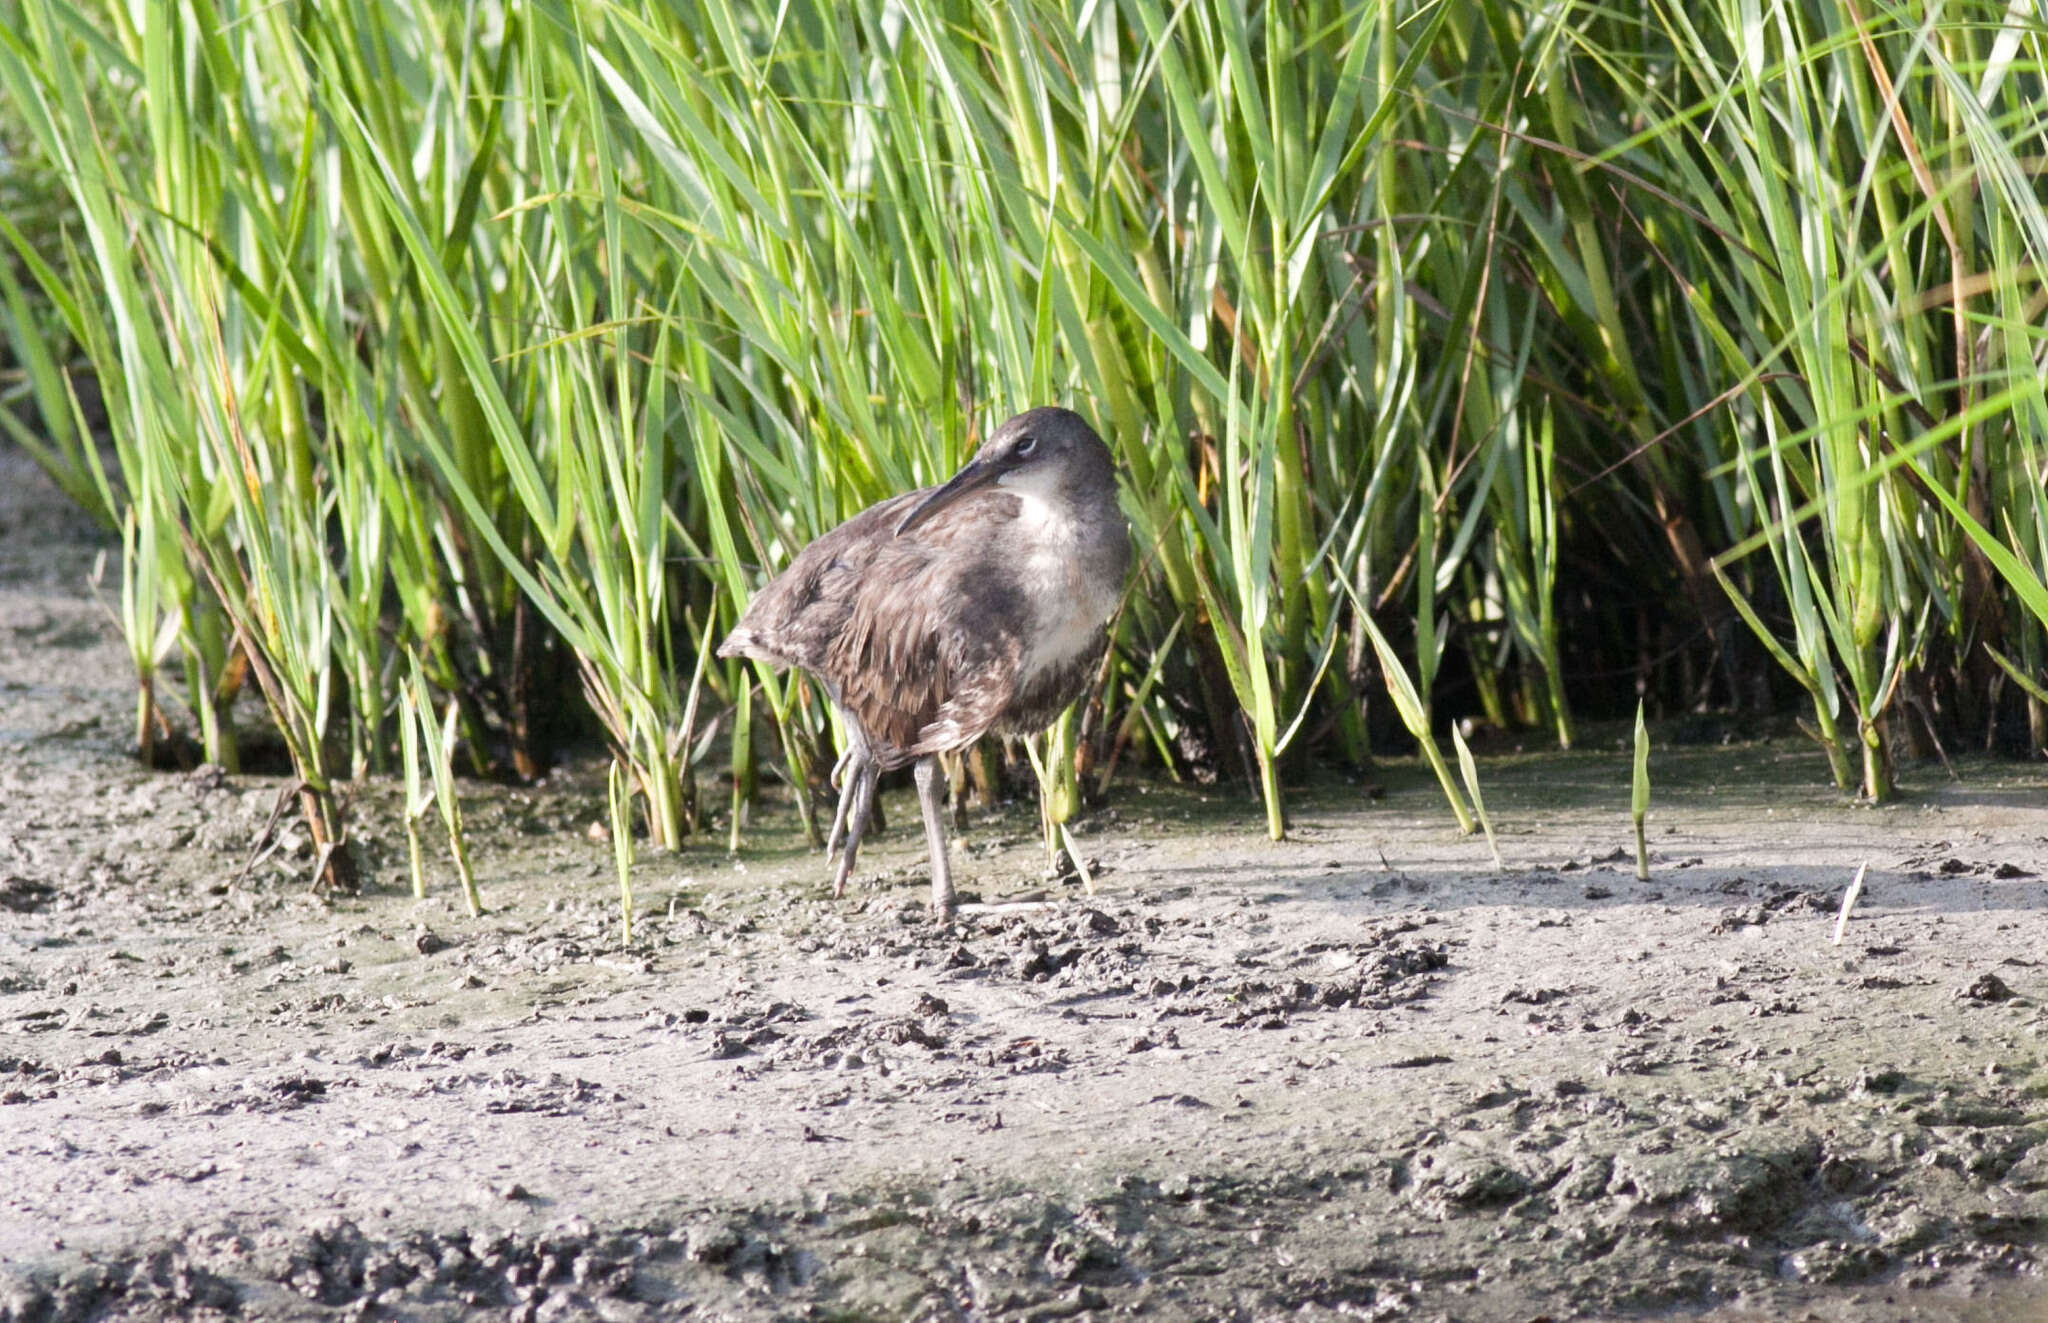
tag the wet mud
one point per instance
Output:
(1358, 1074)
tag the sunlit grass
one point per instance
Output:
(529, 339)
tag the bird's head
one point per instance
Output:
(1048, 450)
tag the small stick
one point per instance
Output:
(1074, 856)
(1849, 898)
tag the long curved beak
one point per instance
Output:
(972, 478)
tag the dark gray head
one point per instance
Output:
(1053, 450)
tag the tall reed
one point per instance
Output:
(1444, 347)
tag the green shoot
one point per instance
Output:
(620, 799)
(1470, 771)
(442, 739)
(413, 703)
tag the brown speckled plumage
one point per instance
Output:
(943, 614)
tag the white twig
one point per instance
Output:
(1074, 856)
(1849, 901)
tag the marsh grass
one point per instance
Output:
(1468, 770)
(619, 805)
(1443, 347)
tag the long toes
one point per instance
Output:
(838, 836)
(856, 806)
(847, 858)
(858, 819)
(849, 793)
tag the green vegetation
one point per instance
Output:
(619, 803)
(1468, 771)
(1479, 353)
(440, 740)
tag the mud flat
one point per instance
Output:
(1355, 1075)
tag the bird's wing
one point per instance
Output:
(982, 692)
(796, 615)
(930, 652)
(919, 637)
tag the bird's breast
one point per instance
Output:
(1070, 570)
(1071, 607)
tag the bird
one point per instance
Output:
(940, 615)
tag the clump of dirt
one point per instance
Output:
(1356, 1074)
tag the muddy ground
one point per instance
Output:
(1355, 1075)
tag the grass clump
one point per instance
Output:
(1465, 353)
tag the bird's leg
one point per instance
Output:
(931, 798)
(856, 806)
(853, 757)
(845, 789)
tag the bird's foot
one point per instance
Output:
(850, 821)
(849, 790)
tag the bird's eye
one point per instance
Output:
(1026, 446)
